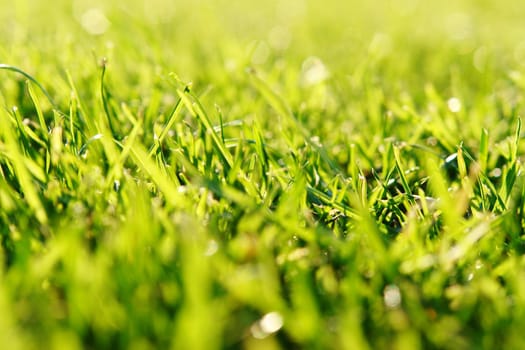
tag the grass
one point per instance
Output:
(295, 174)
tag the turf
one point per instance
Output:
(262, 175)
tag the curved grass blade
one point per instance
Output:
(8, 67)
(197, 110)
(23, 172)
(103, 93)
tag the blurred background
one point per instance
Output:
(192, 37)
(407, 49)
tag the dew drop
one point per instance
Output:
(94, 21)
(313, 71)
(392, 296)
(454, 104)
(271, 322)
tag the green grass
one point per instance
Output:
(230, 174)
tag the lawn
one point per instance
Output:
(281, 174)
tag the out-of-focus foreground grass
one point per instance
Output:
(237, 174)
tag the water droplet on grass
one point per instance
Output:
(271, 322)
(392, 296)
(212, 248)
(313, 71)
(454, 104)
(496, 172)
(94, 21)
